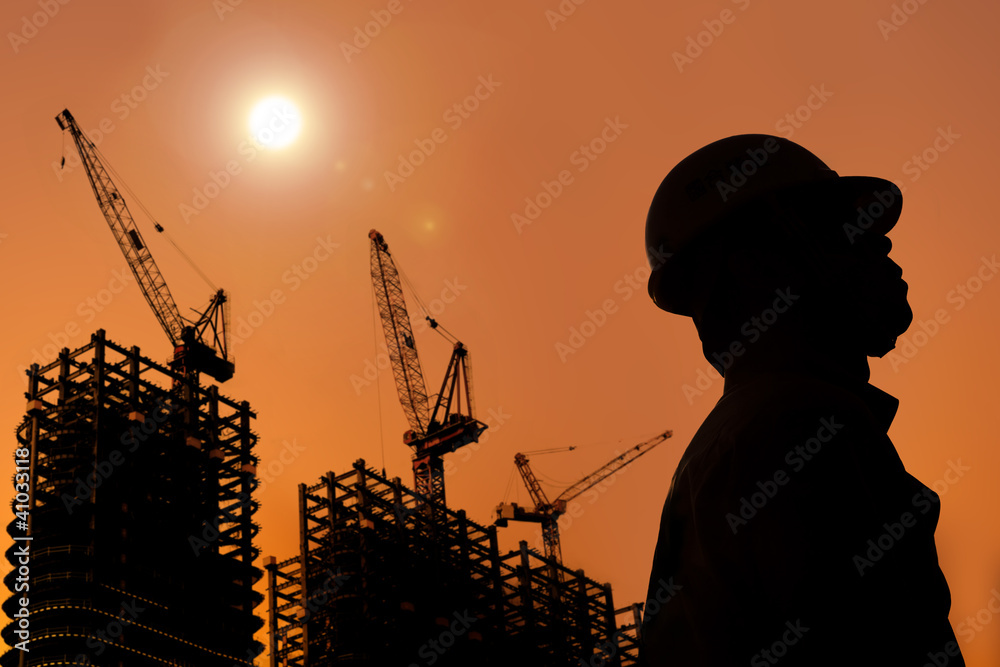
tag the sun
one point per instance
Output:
(275, 122)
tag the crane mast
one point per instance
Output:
(191, 351)
(547, 513)
(399, 335)
(434, 430)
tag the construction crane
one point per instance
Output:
(547, 513)
(200, 344)
(445, 427)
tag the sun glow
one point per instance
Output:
(275, 122)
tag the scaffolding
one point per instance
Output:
(139, 517)
(385, 576)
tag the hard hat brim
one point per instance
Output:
(876, 204)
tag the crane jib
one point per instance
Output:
(194, 351)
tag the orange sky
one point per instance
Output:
(882, 94)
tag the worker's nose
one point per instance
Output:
(883, 245)
(873, 245)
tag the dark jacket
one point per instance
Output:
(793, 535)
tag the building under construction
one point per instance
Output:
(385, 576)
(136, 508)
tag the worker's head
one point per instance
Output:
(741, 222)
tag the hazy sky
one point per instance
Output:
(508, 152)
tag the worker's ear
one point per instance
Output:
(769, 267)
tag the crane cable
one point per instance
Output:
(447, 335)
(159, 228)
(378, 374)
(510, 482)
(554, 482)
(554, 450)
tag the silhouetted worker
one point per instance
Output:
(792, 534)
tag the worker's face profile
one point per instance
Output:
(872, 289)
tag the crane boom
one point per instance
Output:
(399, 335)
(613, 466)
(191, 351)
(137, 254)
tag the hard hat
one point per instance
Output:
(716, 182)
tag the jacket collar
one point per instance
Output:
(882, 405)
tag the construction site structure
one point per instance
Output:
(133, 534)
(381, 581)
(449, 422)
(547, 512)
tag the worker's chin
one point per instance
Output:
(889, 324)
(881, 347)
